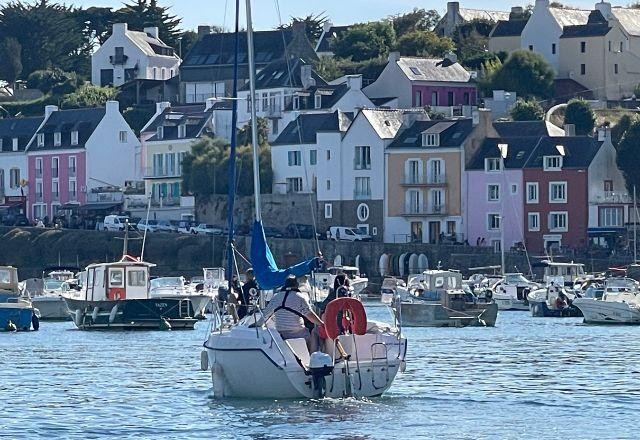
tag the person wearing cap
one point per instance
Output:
(245, 296)
(290, 308)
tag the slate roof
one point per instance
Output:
(281, 73)
(83, 120)
(331, 94)
(629, 18)
(452, 133)
(520, 149)
(324, 44)
(385, 122)
(151, 46)
(569, 17)
(428, 69)
(596, 26)
(378, 102)
(482, 14)
(195, 118)
(508, 28)
(510, 129)
(21, 128)
(579, 151)
(303, 129)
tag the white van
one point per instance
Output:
(116, 223)
(346, 234)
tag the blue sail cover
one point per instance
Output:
(264, 265)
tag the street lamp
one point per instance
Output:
(504, 148)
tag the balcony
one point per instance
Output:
(413, 210)
(104, 197)
(161, 173)
(273, 111)
(118, 59)
(433, 180)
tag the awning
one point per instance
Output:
(70, 205)
(99, 206)
(599, 232)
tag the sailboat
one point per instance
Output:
(252, 360)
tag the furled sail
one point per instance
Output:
(267, 273)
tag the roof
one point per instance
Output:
(520, 149)
(331, 94)
(82, 120)
(508, 28)
(579, 151)
(151, 46)
(386, 122)
(569, 17)
(482, 14)
(324, 44)
(565, 89)
(527, 128)
(629, 18)
(193, 117)
(596, 26)
(304, 128)
(452, 133)
(283, 73)
(378, 102)
(21, 128)
(429, 69)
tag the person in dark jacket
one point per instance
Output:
(245, 297)
(340, 289)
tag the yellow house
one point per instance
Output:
(505, 35)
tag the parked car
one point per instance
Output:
(151, 225)
(205, 228)
(299, 230)
(166, 226)
(343, 233)
(270, 231)
(184, 226)
(117, 223)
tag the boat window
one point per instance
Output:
(115, 278)
(137, 278)
(453, 282)
(52, 284)
(5, 277)
(439, 282)
(167, 282)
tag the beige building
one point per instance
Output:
(505, 35)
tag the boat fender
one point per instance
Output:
(35, 322)
(94, 314)
(164, 324)
(78, 317)
(11, 327)
(204, 360)
(345, 315)
(112, 315)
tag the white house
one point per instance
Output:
(129, 55)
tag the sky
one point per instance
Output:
(265, 16)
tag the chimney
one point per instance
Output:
(485, 123)
(209, 103)
(541, 4)
(517, 13)
(605, 9)
(306, 80)
(569, 130)
(354, 82)
(327, 25)
(112, 107)
(152, 31)
(203, 30)
(604, 134)
(299, 28)
(48, 109)
(119, 28)
(453, 9)
(394, 57)
(161, 106)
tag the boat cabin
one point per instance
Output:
(9, 281)
(350, 271)
(125, 279)
(562, 273)
(214, 277)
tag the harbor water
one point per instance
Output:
(525, 378)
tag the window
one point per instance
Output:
(296, 103)
(558, 221)
(122, 136)
(160, 132)
(621, 47)
(317, 100)
(54, 167)
(313, 157)
(55, 190)
(434, 98)
(39, 167)
(182, 131)
(363, 158)
(608, 187)
(362, 212)
(14, 144)
(533, 221)
(39, 188)
(583, 46)
(514, 189)
(609, 45)
(74, 137)
(553, 48)
(611, 217)
(73, 190)
(363, 187)
(328, 154)
(552, 163)
(57, 139)
(39, 211)
(493, 192)
(532, 192)
(450, 98)
(328, 210)
(295, 158)
(531, 47)
(14, 178)
(40, 139)
(294, 184)
(466, 98)
(413, 171)
(72, 166)
(615, 69)
(583, 69)
(274, 126)
(557, 192)
(136, 278)
(417, 98)
(493, 222)
(430, 139)
(492, 164)
(115, 277)
(328, 185)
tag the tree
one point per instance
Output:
(11, 56)
(618, 130)
(53, 80)
(472, 37)
(526, 73)
(96, 23)
(417, 20)
(146, 13)
(244, 134)
(185, 42)
(314, 25)
(579, 113)
(527, 111)
(88, 96)
(365, 41)
(628, 156)
(424, 43)
(478, 61)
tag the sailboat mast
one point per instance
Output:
(254, 121)
(635, 226)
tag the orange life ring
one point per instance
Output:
(353, 317)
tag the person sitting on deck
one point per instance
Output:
(291, 308)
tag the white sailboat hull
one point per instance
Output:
(607, 312)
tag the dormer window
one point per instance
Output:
(296, 103)
(552, 163)
(430, 139)
(318, 100)
(40, 139)
(182, 131)
(74, 137)
(15, 144)
(57, 139)
(492, 164)
(160, 132)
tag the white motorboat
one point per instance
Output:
(176, 287)
(49, 300)
(324, 281)
(510, 293)
(620, 303)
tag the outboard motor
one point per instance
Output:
(320, 366)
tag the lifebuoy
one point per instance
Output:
(345, 315)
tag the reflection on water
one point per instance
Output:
(525, 378)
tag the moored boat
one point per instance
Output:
(620, 303)
(175, 288)
(16, 312)
(553, 302)
(510, 293)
